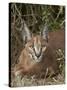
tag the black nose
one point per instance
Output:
(38, 55)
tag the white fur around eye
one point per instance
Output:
(44, 48)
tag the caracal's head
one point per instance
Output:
(35, 45)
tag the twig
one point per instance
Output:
(62, 22)
(46, 72)
(60, 11)
(17, 10)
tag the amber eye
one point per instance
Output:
(31, 46)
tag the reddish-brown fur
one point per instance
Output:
(26, 66)
(57, 39)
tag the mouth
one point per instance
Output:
(34, 56)
(38, 58)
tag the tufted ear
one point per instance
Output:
(26, 35)
(44, 33)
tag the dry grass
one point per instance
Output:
(32, 81)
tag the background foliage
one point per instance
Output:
(37, 15)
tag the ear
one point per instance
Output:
(45, 33)
(26, 35)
